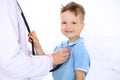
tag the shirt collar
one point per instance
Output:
(66, 43)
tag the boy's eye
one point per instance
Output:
(73, 22)
(63, 22)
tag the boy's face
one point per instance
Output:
(71, 25)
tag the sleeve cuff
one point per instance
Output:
(51, 59)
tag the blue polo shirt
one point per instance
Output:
(79, 60)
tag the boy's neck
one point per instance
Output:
(72, 40)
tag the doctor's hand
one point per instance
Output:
(60, 56)
(33, 37)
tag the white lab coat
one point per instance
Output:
(16, 61)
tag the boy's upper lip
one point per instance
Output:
(68, 31)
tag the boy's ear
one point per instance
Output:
(82, 25)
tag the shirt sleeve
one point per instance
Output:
(82, 59)
(13, 60)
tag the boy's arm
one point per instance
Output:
(80, 75)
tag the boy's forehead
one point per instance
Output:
(70, 14)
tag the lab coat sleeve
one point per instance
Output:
(13, 60)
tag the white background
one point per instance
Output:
(101, 32)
